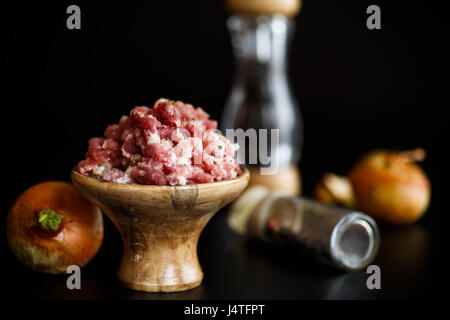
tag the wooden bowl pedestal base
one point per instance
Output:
(160, 227)
(161, 256)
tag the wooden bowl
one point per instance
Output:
(160, 227)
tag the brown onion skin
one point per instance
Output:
(390, 187)
(75, 243)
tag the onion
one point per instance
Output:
(51, 226)
(333, 189)
(390, 187)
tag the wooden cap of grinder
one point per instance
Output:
(264, 7)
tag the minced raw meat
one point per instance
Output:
(172, 143)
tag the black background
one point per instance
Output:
(358, 89)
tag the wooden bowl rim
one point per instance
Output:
(245, 175)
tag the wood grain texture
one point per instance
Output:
(160, 227)
(265, 7)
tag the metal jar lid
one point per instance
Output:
(354, 241)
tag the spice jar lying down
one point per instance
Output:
(339, 237)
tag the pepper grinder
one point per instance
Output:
(260, 97)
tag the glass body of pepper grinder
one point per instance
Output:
(260, 97)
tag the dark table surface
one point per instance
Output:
(236, 268)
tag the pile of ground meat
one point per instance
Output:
(171, 144)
